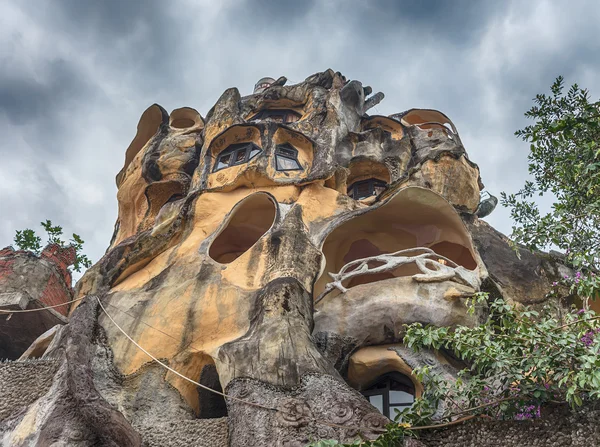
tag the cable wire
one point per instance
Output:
(19, 311)
(226, 396)
(164, 365)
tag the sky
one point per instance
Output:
(75, 77)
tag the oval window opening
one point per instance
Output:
(248, 222)
(185, 117)
(182, 123)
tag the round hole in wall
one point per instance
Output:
(184, 118)
(182, 123)
(249, 220)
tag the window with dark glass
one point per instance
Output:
(392, 391)
(286, 158)
(278, 115)
(236, 154)
(366, 188)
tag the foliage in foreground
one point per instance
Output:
(28, 240)
(565, 163)
(519, 360)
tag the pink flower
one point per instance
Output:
(588, 337)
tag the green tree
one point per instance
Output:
(28, 240)
(564, 161)
(520, 359)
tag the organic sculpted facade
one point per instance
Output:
(273, 251)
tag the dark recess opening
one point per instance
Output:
(211, 405)
(250, 220)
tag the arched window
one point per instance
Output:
(286, 158)
(366, 188)
(236, 154)
(277, 115)
(391, 391)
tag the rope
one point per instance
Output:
(38, 309)
(164, 365)
(226, 396)
(150, 326)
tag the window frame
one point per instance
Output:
(269, 113)
(385, 391)
(233, 150)
(294, 157)
(372, 182)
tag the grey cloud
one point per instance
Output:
(272, 13)
(447, 21)
(141, 37)
(45, 199)
(76, 97)
(111, 18)
(25, 99)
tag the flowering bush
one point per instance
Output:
(585, 286)
(518, 360)
(521, 359)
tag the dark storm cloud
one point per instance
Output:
(132, 36)
(77, 75)
(455, 21)
(112, 18)
(40, 102)
(25, 99)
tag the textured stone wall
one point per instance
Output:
(46, 278)
(199, 433)
(22, 383)
(54, 294)
(5, 263)
(557, 427)
(28, 281)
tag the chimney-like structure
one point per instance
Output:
(263, 84)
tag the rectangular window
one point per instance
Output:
(286, 158)
(286, 164)
(236, 154)
(223, 162)
(401, 398)
(363, 190)
(240, 156)
(366, 188)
